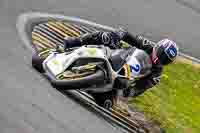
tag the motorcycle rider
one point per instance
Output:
(162, 53)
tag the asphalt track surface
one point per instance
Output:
(29, 104)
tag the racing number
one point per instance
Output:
(135, 68)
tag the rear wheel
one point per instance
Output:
(37, 63)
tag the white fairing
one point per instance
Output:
(135, 67)
(138, 61)
(140, 64)
(58, 63)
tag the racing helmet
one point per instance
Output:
(165, 52)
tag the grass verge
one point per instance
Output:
(175, 102)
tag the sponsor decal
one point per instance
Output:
(171, 52)
(92, 51)
(145, 41)
(105, 38)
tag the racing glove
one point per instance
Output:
(59, 49)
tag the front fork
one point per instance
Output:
(121, 98)
(121, 102)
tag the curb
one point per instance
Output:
(193, 59)
(23, 19)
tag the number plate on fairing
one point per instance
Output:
(135, 67)
(139, 63)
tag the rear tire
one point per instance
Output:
(37, 63)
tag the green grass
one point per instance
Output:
(175, 102)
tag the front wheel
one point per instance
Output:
(105, 99)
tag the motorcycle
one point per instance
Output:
(97, 70)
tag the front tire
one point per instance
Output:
(105, 99)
